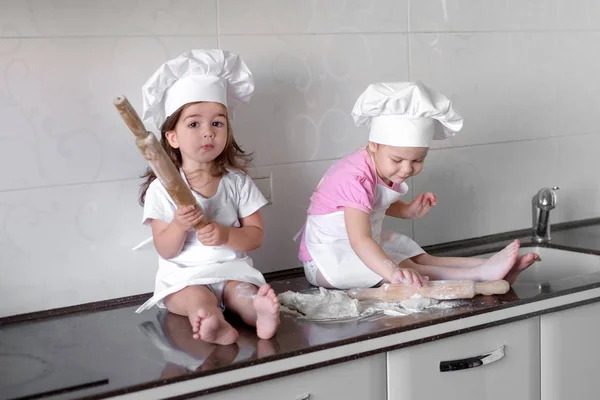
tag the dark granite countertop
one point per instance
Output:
(99, 353)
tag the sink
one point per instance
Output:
(555, 264)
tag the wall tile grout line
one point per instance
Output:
(218, 24)
(68, 185)
(204, 34)
(408, 61)
(516, 141)
(408, 39)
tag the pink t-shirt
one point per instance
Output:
(350, 182)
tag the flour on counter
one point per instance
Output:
(391, 309)
(326, 304)
(418, 303)
(336, 304)
(444, 305)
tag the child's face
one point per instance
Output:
(201, 132)
(396, 164)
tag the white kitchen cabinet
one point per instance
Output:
(359, 379)
(570, 353)
(414, 372)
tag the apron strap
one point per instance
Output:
(143, 243)
(299, 232)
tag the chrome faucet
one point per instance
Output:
(541, 204)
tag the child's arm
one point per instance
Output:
(249, 236)
(169, 238)
(245, 238)
(358, 226)
(417, 208)
(397, 210)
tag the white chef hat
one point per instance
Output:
(405, 114)
(196, 75)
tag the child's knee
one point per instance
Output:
(190, 297)
(239, 291)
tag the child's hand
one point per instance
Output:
(420, 206)
(187, 217)
(213, 234)
(408, 276)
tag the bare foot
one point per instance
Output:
(497, 266)
(266, 305)
(195, 322)
(524, 261)
(212, 328)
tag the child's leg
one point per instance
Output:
(435, 272)
(521, 263)
(200, 305)
(455, 262)
(496, 267)
(258, 307)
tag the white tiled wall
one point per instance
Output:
(522, 72)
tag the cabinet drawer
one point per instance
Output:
(570, 353)
(415, 373)
(359, 379)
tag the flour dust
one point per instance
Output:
(336, 304)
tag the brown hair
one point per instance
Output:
(232, 156)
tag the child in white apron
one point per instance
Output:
(190, 100)
(343, 245)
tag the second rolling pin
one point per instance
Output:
(439, 290)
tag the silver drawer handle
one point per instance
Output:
(472, 362)
(305, 397)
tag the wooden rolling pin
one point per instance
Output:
(159, 161)
(439, 290)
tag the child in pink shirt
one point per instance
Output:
(343, 244)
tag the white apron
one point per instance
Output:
(327, 242)
(171, 277)
(197, 264)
